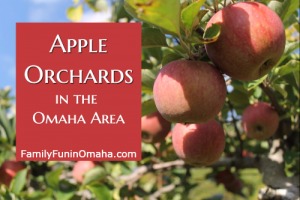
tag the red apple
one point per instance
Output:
(251, 41)
(81, 167)
(8, 170)
(189, 92)
(260, 121)
(154, 128)
(230, 181)
(199, 144)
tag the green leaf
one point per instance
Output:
(289, 156)
(212, 32)
(10, 133)
(210, 35)
(289, 48)
(160, 13)
(97, 5)
(189, 14)
(97, 173)
(284, 8)
(51, 163)
(291, 66)
(148, 78)
(100, 191)
(148, 107)
(280, 90)
(75, 13)
(238, 97)
(289, 21)
(118, 12)
(153, 37)
(19, 181)
(169, 58)
(39, 195)
(297, 78)
(252, 84)
(52, 178)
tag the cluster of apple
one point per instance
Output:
(192, 93)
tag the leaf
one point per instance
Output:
(291, 66)
(297, 78)
(75, 1)
(148, 78)
(289, 21)
(148, 107)
(52, 178)
(289, 156)
(97, 5)
(160, 13)
(100, 191)
(118, 12)
(189, 13)
(252, 84)
(19, 181)
(39, 195)
(284, 8)
(153, 37)
(289, 48)
(280, 90)
(238, 97)
(51, 163)
(10, 133)
(75, 13)
(210, 35)
(170, 57)
(95, 174)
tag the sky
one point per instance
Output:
(30, 11)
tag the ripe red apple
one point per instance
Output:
(199, 144)
(251, 41)
(189, 91)
(8, 170)
(260, 121)
(154, 128)
(81, 167)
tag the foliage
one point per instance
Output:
(171, 30)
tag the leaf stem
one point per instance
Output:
(185, 47)
(217, 7)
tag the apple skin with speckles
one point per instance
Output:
(199, 144)
(260, 121)
(154, 128)
(251, 41)
(189, 91)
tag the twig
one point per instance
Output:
(232, 1)
(217, 7)
(236, 128)
(163, 190)
(269, 92)
(209, 8)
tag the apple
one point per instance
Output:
(230, 181)
(8, 170)
(189, 91)
(81, 167)
(251, 41)
(260, 121)
(154, 128)
(199, 144)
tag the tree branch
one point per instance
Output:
(269, 92)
